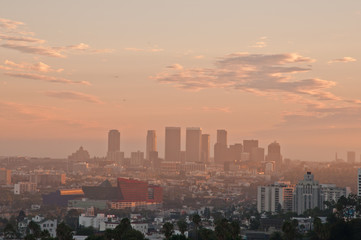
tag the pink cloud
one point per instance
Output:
(72, 95)
(46, 78)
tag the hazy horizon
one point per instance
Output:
(268, 70)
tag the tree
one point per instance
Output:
(64, 232)
(122, 229)
(196, 219)
(167, 230)
(235, 229)
(72, 218)
(34, 229)
(182, 226)
(21, 216)
(133, 234)
(206, 234)
(85, 231)
(276, 236)
(290, 230)
(9, 231)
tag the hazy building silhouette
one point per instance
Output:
(193, 144)
(248, 145)
(137, 159)
(80, 155)
(220, 147)
(351, 157)
(154, 160)
(257, 154)
(172, 144)
(151, 145)
(235, 152)
(274, 154)
(206, 148)
(114, 145)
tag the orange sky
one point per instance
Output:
(267, 70)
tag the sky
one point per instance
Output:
(272, 70)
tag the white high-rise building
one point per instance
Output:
(329, 192)
(359, 182)
(307, 194)
(275, 197)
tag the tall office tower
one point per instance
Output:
(151, 143)
(221, 148)
(257, 154)
(113, 141)
(248, 145)
(275, 197)
(193, 144)
(206, 148)
(114, 145)
(351, 157)
(222, 136)
(274, 153)
(359, 182)
(235, 152)
(307, 194)
(172, 144)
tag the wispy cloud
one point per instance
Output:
(72, 95)
(257, 73)
(45, 78)
(217, 109)
(175, 66)
(38, 67)
(343, 60)
(9, 24)
(40, 50)
(143, 49)
(261, 43)
(21, 39)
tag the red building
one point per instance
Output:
(139, 191)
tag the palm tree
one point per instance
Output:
(196, 219)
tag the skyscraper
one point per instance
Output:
(257, 154)
(248, 145)
(205, 149)
(193, 144)
(113, 141)
(235, 152)
(274, 153)
(151, 143)
(222, 136)
(172, 144)
(114, 146)
(221, 148)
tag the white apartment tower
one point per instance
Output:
(275, 197)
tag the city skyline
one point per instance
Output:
(251, 68)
